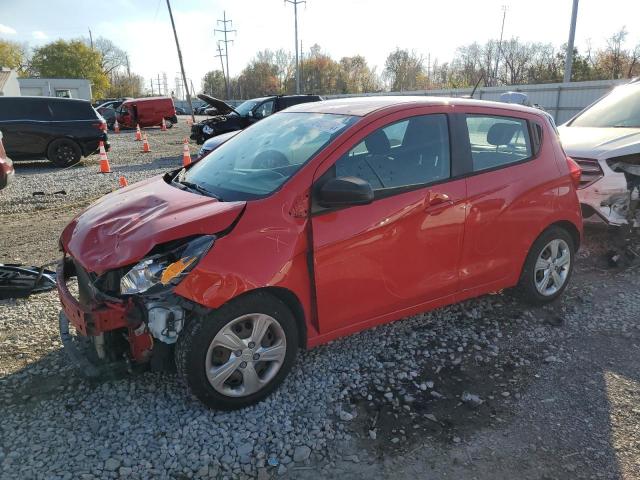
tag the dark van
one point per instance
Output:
(147, 112)
(61, 129)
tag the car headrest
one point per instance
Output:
(377, 143)
(501, 133)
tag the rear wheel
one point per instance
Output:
(548, 267)
(64, 152)
(168, 123)
(240, 353)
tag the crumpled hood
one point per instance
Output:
(123, 226)
(599, 143)
(223, 108)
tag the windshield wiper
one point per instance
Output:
(626, 126)
(199, 189)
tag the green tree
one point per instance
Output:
(71, 59)
(403, 70)
(213, 84)
(13, 55)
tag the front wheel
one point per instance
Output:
(168, 123)
(238, 354)
(548, 267)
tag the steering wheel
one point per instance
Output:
(270, 159)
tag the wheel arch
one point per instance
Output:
(65, 137)
(291, 300)
(567, 226)
(571, 230)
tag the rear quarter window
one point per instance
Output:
(72, 110)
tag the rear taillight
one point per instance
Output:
(591, 171)
(574, 172)
(100, 126)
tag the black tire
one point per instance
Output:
(168, 123)
(526, 288)
(64, 152)
(195, 339)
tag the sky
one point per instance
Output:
(372, 28)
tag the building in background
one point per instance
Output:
(9, 86)
(56, 87)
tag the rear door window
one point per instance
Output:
(497, 141)
(72, 110)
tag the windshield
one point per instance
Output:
(258, 160)
(621, 108)
(245, 107)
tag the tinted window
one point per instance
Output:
(497, 141)
(72, 110)
(24, 109)
(414, 151)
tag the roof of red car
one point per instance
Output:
(361, 106)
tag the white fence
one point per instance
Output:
(562, 100)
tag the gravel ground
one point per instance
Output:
(489, 389)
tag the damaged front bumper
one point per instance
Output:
(133, 329)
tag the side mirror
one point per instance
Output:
(345, 191)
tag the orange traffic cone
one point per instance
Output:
(163, 126)
(116, 127)
(186, 155)
(123, 181)
(138, 133)
(104, 161)
(145, 144)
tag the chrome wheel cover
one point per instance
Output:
(552, 267)
(245, 355)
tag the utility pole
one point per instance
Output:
(226, 83)
(184, 77)
(295, 13)
(151, 87)
(91, 39)
(504, 14)
(301, 63)
(568, 64)
(226, 42)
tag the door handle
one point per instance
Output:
(436, 198)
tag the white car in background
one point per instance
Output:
(604, 139)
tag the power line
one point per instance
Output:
(295, 13)
(225, 30)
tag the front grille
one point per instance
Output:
(591, 171)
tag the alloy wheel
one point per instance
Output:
(245, 355)
(552, 267)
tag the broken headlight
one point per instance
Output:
(165, 269)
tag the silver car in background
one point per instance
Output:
(604, 139)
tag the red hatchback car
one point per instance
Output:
(317, 222)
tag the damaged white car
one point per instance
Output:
(604, 139)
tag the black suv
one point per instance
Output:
(60, 129)
(229, 119)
